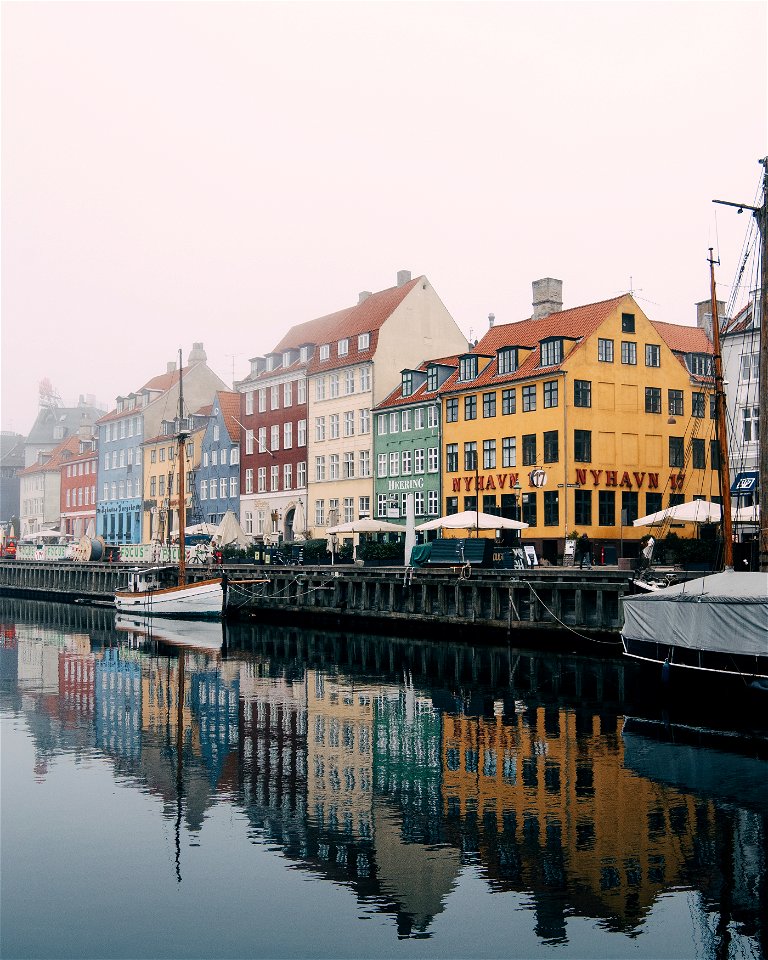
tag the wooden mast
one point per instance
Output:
(722, 435)
(182, 439)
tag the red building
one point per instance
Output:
(78, 490)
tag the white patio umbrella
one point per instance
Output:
(472, 520)
(746, 514)
(694, 511)
(366, 525)
(410, 526)
(299, 522)
(230, 531)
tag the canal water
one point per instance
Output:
(296, 793)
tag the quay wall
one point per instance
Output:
(550, 599)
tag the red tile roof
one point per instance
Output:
(683, 339)
(420, 394)
(162, 382)
(59, 455)
(229, 404)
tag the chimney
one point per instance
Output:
(403, 277)
(491, 320)
(170, 366)
(196, 354)
(704, 316)
(547, 297)
(363, 295)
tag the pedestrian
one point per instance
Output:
(585, 551)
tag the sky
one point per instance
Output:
(217, 172)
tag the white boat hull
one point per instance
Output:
(201, 634)
(203, 599)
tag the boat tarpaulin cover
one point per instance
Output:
(725, 612)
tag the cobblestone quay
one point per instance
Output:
(552, 599)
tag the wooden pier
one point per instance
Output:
(552, 599)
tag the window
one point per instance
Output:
(301, 433)
(381, 505)
(301, 391)
(248, 480)
(506, 360)
(432, 417)
(406, 462)
(750, 364)
(363, 341)
(381, 469)
(394, 464)
(551, 451)
(629, 352)
(343, 347)
(274, 439)
(325, 352)
(232, 487)
(529, 509)
(365, 420)
(627, 323)
(349, 509)
(394, 423)
(509, 451)
(432, 459)
(675, 399)
(418, 460)
(652, 503)
(653, 399)
(529, 449)
(699, 454)
(550, 393)
(432, 503)
(333, 426)
(508, 402)
(529, 398)
(288, 393)
(418, 504)
(582, 508)
(274, 398)
(606, 508)
(406, 418)
(333, 466)
(319, 429)
(652, 355)
(700, 364)
(364, 506)
(749, 423)
(381, 424)
(262, 399)
(287, 435)
(551, 351)
(698, 404)
(319, 469)
(470, 455)
(407, 383)
(214, 458)
(470, 407)
(676, 452)
(203, 488)
(452, 410)
(364, 463)
(451, 505)
(333, 385)
(714, 454)
(301, 474)
(582, 446)
(261, 479)
(582, 393)
(349, 466)
(349, 381)
(551, 508)
(452, 458)
(365, 379)
(489, 454)
(467, 368)
(489, 404)
(432, 379)
(629, 506)
(349, 423)
(320, 512)
(605, 350)
(320, 388)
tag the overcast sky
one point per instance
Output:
(216, 172)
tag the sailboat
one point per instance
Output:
(717, 624)
(148, 592)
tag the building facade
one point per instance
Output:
(217, 479)
(78, 491)
(40, 488)
(580, 420)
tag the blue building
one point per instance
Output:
(217, 481)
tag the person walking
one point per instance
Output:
(585, 551)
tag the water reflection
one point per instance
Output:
(390, 766)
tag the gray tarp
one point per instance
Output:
(726, 612)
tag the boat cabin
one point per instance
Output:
(154, 578)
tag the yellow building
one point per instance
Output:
(160, 501)
(582, 419)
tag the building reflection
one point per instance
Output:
(389, 766)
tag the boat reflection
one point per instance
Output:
(390, 766)
(193, 634)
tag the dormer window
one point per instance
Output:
(325, 351)
(468, 368)
(407, 383)
(343, 347)
(304, 354)
(551, 351)
(287, 359)
(432, 379)
(506, 360)
(699, 364)
(120, 404)
(363, 341)
(270, 363)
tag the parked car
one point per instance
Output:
(8, 549)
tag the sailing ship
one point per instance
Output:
(149, 593)
(717, 623)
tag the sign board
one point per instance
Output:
(569, 555)
(530, 553)
(744, 483)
